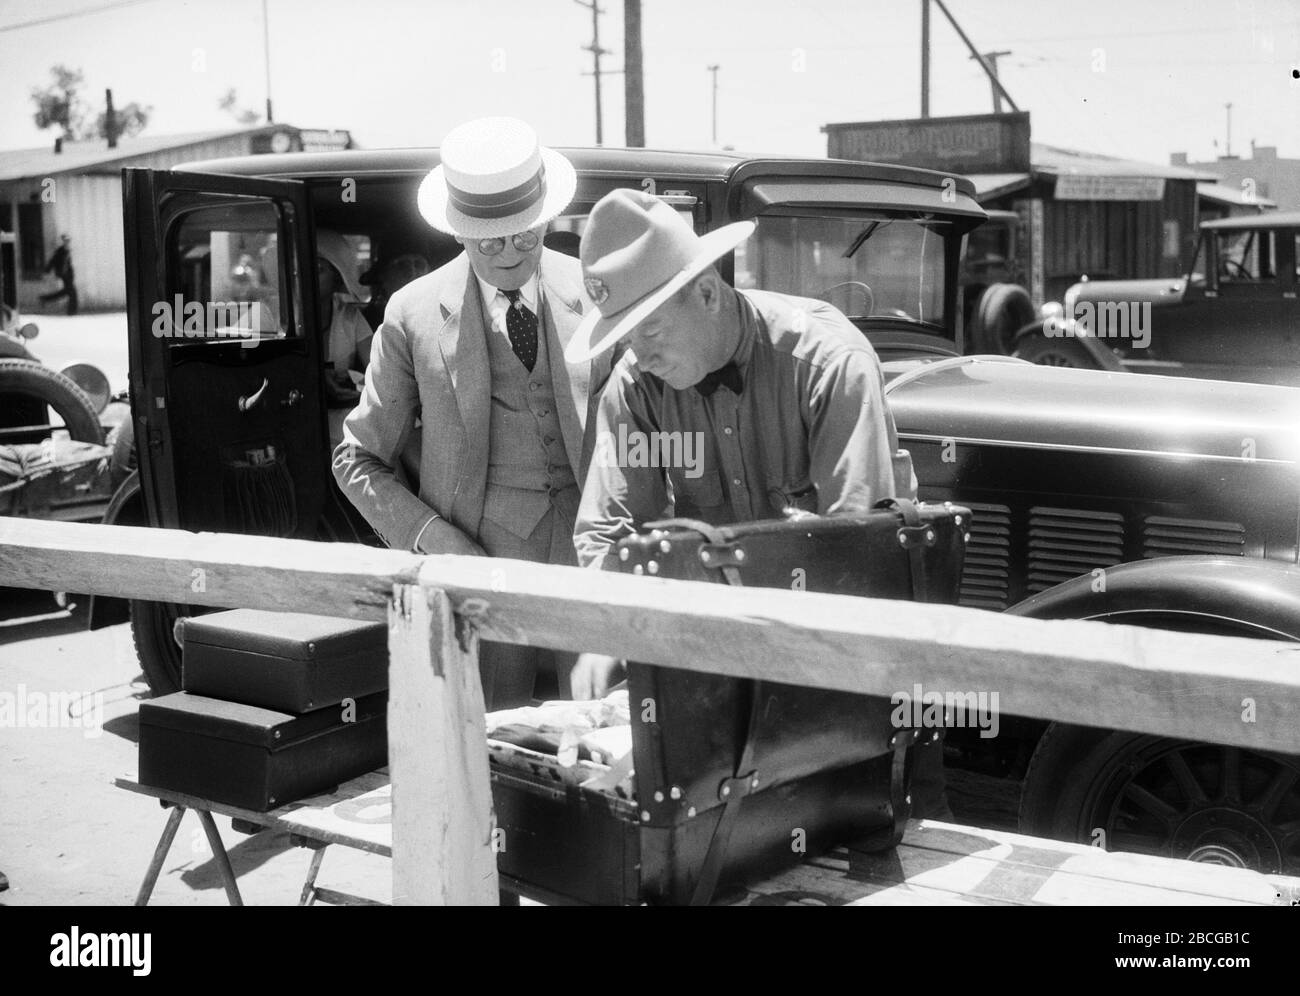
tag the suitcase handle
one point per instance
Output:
(913, 536)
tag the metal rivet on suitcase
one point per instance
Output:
(652, 567)
(638, 569)
(624, 553)
(659, 796)
(934, 736)
(705, 556)
(908, 800)
(902, 538)
(275, 734)
(929, 535)
(724, 791)
(645, 816)
(740, 556)
(664, 546)
(690, 813)
(957, 520)
(754, 782)
(675, 791)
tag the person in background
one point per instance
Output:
(389, 274)
(345, 333)
(60, 265)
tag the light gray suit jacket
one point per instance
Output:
(429, 360)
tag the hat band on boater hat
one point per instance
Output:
(499, 203)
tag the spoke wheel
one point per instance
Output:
(1152, 795)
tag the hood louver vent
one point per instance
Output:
(984, 578)
(1168, 537)
(1065, 543)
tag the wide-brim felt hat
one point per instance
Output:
(495, 180)
(334, 248)
(637, 252)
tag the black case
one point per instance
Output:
(255, 758)
(285, 661)
(830, 768)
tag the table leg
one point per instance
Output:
(220, 856)
(159, 855)
(309, 887)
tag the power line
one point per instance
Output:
(71, 14)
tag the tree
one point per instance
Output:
(229, 103)
(61, 105)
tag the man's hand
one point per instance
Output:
(440, 536)
(593, 676)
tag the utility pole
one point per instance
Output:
(266, 51)
(633, 87)
(714, 70)
(925, 58)
(596, 52)
(1228, 151)
(110, 120)
(996, 83)
(990, 63)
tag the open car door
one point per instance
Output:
(226, 370)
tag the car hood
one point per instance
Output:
(1023, 404)
(1165, 291)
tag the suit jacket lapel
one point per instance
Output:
(463, 342)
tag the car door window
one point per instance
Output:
(225, 277)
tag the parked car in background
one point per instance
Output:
(1184, 494)
(1234, 316)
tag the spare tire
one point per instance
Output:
(1001, 312)
(29, 380)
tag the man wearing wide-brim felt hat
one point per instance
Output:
(475, 351)
(784, 393)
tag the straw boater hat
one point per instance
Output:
(495, 180)
(637, 253)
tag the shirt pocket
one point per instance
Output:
(697, 496)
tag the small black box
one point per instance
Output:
(256, 758)
(283, 660)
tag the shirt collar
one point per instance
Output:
(529, 292)
(749, 320)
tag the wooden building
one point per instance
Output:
(1080, 213)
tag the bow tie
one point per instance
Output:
(728, 376)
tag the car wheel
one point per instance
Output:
(30, 381)
(1001, 312)
(1174, 798)
(1062, 352)
(155, 648)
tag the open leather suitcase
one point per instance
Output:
(734, 779)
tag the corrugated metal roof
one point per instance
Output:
(1054, 161)
(88, 157)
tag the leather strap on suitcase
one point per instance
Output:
(913, 536)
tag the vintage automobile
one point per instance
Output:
(1234, 316)
(1183, 496)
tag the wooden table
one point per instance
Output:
(936, 864)
(943, 864)
(357, 814)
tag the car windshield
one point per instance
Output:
(868, 268)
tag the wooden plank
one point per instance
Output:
(1144, 680)
(172, 565)
(1135, 679)
(442, 797)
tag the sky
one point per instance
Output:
(1132, 78)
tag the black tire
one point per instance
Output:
(122, 461)
(155, 648)
(1157, 795)
(1054, 352)
(28, 380)
(1001, 312)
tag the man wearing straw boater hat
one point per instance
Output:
(475, 352)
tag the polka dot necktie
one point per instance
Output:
(521, 325)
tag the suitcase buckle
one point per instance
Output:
(912, 537)
(738, 785)
(716, 555)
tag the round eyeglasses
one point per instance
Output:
(523, 241)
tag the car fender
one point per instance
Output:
(1228, 595)
(125, 508)
(1102, 355)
